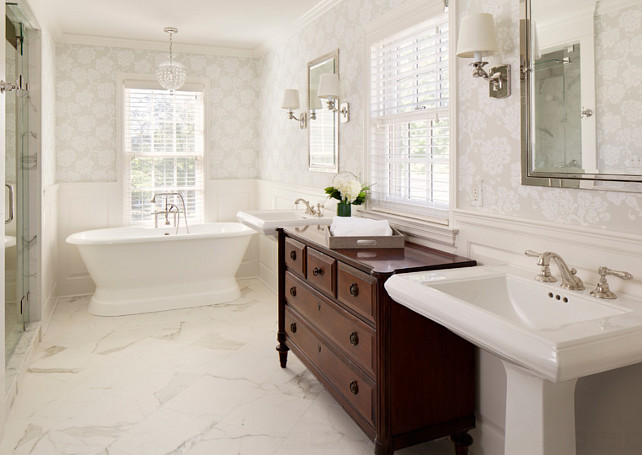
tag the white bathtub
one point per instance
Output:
(143, 270)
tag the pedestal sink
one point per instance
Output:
(547, 338)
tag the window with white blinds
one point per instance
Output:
(410, 133)
(163, 149)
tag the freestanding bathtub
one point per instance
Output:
(143, 270)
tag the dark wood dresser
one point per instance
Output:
(403, 378)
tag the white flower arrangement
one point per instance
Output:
(346, 187)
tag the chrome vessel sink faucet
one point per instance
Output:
(309, 210)
(570, 280)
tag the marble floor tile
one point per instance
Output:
(195, 381)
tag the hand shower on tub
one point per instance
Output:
(170, 208)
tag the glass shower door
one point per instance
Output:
(17, 169)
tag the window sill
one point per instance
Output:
(413, 226)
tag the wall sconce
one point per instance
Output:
(329, 90)
(477, 38)
(291, 103)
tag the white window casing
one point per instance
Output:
(163, 144)
(410, 135)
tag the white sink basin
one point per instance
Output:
(266, 221)
(556, 333)
(527, 303)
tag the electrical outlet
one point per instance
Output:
(476, 194)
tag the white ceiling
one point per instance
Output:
(245, 25)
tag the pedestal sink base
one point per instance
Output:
(540, 414)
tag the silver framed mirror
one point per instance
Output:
(323, 124)
(580, 94)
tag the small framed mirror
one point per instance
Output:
(323, 123)
(580, 96)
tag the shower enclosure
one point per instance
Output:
(558, 110)
(18, 167)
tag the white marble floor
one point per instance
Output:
(195, 381)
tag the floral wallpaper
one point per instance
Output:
(489, 149)
(250, 135)
(87, 109)
(283, 154)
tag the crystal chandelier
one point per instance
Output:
(171, 74)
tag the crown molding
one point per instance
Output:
(70, 38)
(307, 19)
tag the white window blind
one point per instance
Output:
(163, 149)
(410, 135)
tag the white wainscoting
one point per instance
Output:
(601, 399)
(49, 253)
(83, 206)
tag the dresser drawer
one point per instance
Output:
(295, 256)
(353, 336)
(357, 290)
(322, 271)
(355, 388)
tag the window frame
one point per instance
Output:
(405, 17)
(147, 81)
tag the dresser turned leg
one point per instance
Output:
(462, 441)
(382, 449)
(283, 356)
(282, 349)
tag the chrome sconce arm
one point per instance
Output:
(478, 37)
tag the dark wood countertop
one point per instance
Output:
(381, 261)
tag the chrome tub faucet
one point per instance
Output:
(170, 209)
(570, 280)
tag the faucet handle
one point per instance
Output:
(602, 290)
(603, 271)
(545, 275)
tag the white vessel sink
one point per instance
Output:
(546, 336)
(266, 221)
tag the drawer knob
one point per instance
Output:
(293, 327)
(293, 291)
(317, 271)
(293, 255)
(354, 387)
(319, 347)
(354, 290)
(354, 338)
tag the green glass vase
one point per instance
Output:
(343, 208)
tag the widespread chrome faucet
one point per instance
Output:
(570, 280)
(309, 210)
(170, 208)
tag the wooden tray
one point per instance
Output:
(396, 240)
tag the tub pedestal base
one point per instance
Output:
(120, 302)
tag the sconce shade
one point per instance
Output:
(328, 86)
(477, 34)
(290, 99)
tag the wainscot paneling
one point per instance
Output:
(82, 206)
(49, 253)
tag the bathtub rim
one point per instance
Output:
(76, 238)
